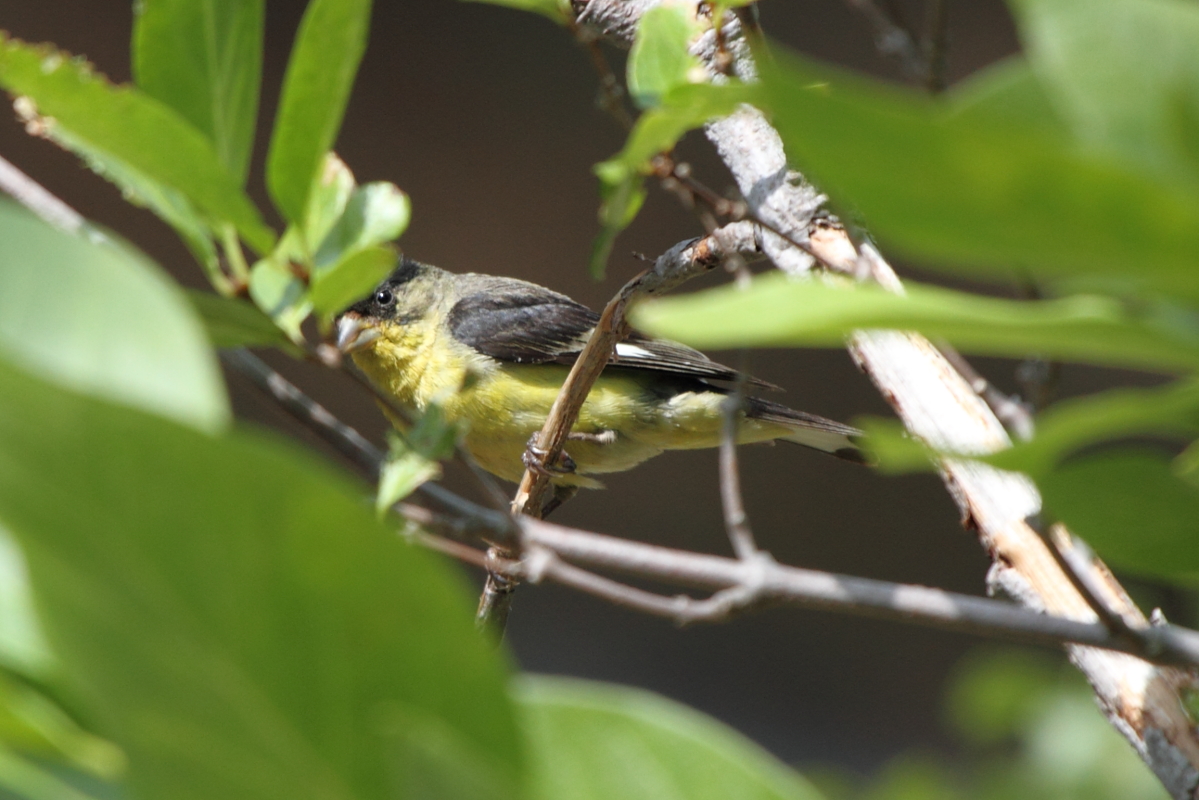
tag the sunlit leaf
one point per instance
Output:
(1131, 507)
(316, 89)
(970, 193)
(203, 58)
(102, 319)
(1068, 426)
(776, 311)
(348, 280)
(591, 741)
(376, 213)
(1124, 74)
(659, 59)
(105, 121)
(231, 614)
(235, 323)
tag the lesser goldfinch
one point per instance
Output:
(493, 352)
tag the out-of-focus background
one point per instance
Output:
(486, 117)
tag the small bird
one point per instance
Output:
(493, 352)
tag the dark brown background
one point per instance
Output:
(485, 116)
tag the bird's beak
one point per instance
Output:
(354, 332)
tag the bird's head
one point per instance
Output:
(406, 298)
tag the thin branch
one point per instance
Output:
(736, 521)
(936, 45)
(31, 194)
(677, 265)
(893, 38)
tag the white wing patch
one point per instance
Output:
(632, 351)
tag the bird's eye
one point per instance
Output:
(384, 297)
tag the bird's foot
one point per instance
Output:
(602, 437)
(534, 458)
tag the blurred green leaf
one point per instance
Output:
(30, 780)
(278, 291)
(343, 283)
(1065, 427)
(102, 319)
(965, 194)
(136, 187)
(403, 472)
(331, 192)
(23, 647)
(376, 213)
(316, 89)
(995, 693)
(778, 311)
(1131, 507)
(231, 613)
(590, 741)
(1124, 73)
(104, 122)
(1009, 93)
(621, 196)
(557, 10)
(892, 449)
(659, 59)
(235, 323)
(203, 58)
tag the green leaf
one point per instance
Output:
(331, 192)
(203, 58)
(622, 177)
(557, 10)
(1007, 92)
(592, 741)
(404, 471)
(350, 279)
(30, 780)
(376, 213)
(777, 311)
(994, 694)
(23, 647)
(102, 319)
(230, 612)
(235, 323)
(104, 122)
(659, 59)
(276, 289)
(316, 89)
(1065, 427)
(967, 194)
(1122, 73)
(1131, 507)
(136, 187)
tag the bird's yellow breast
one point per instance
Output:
(500, 405)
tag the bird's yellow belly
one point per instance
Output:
(504, 409)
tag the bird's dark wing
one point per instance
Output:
(527, 324)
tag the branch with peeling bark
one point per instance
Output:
(935, 403)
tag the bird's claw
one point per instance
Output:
(534, 458)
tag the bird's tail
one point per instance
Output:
(809, 430)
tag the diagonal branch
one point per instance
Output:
(1142, 701)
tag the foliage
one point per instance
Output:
(1072, 167)
(219, 614)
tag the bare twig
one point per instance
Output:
(893, 38)
(936, 45)
(736, 521)
(679, 264)
(34, 197)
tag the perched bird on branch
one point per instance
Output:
(493, 352)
